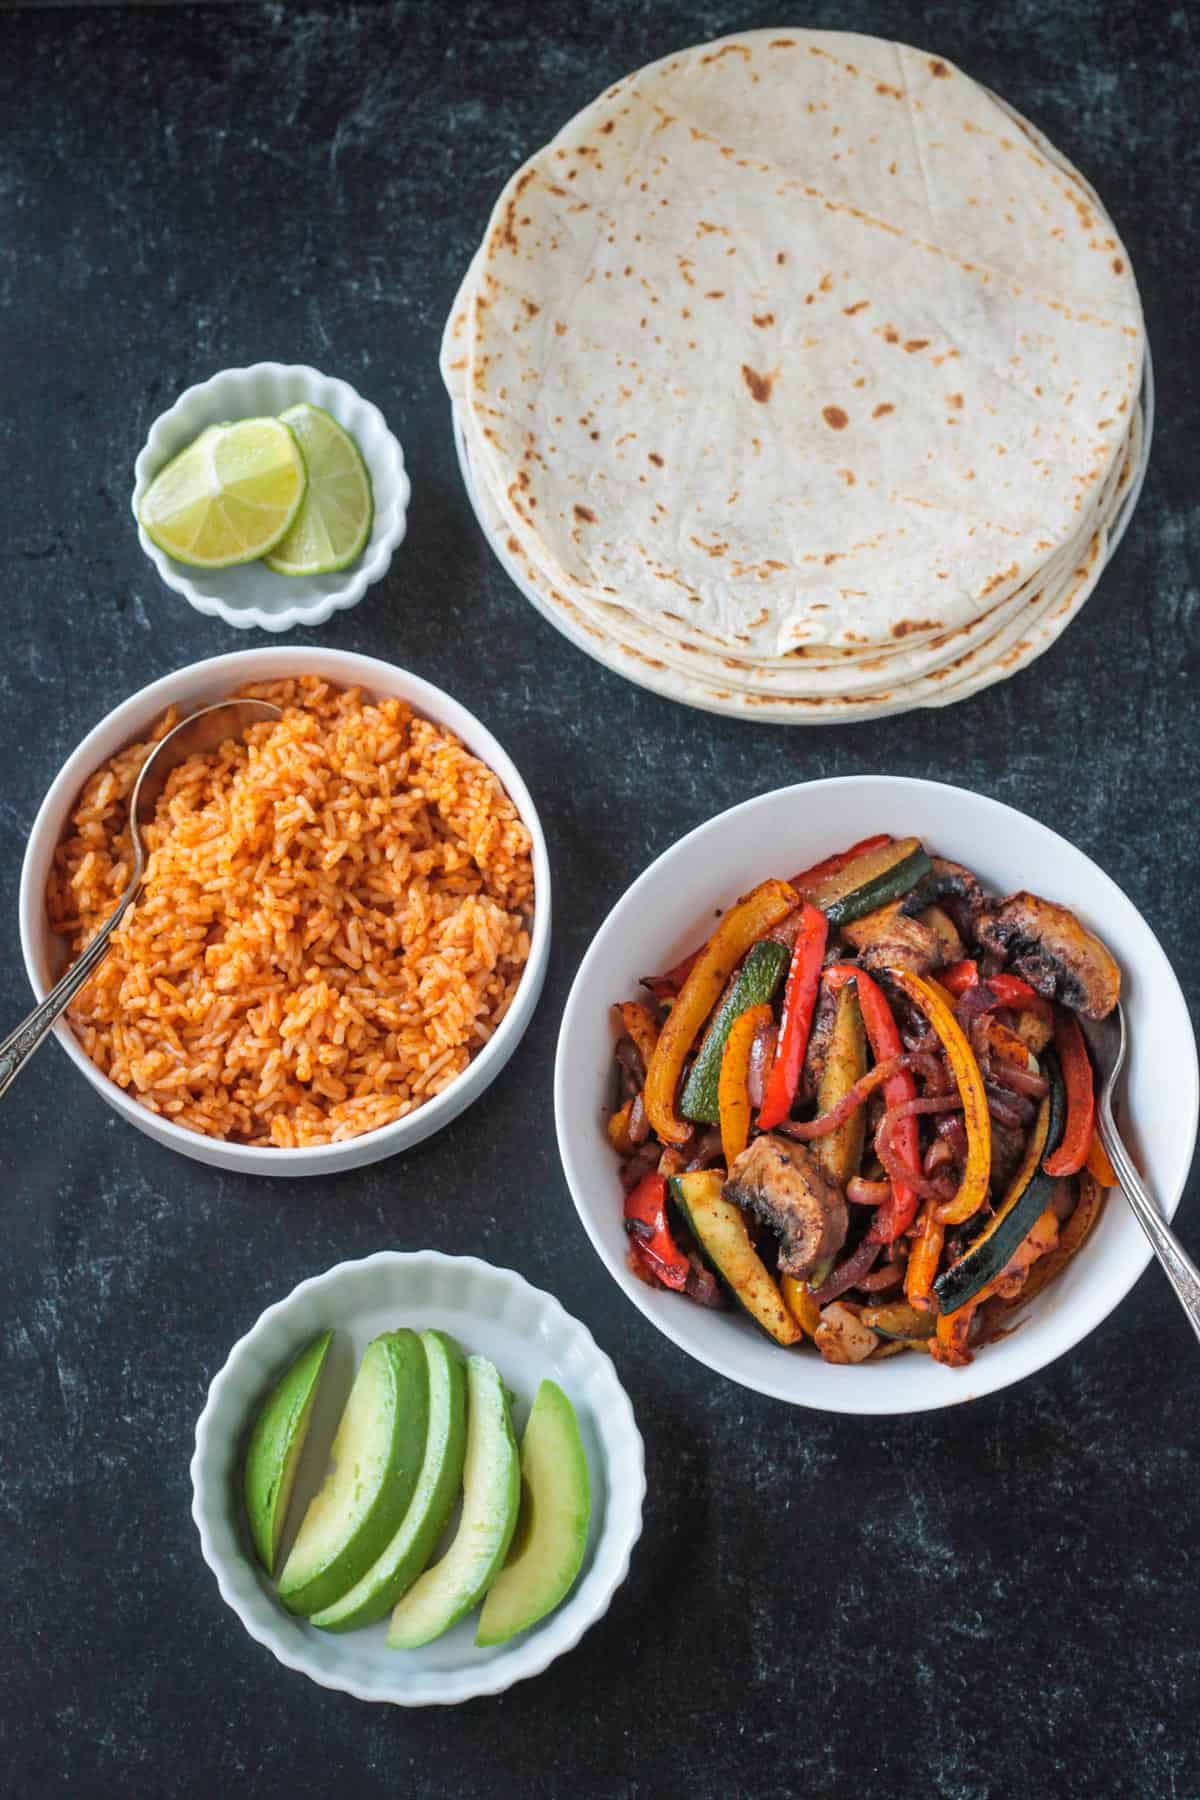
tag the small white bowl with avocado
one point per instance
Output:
(468, 1409)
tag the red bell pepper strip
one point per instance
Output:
(799, 1002)
(1076, 1067)
(1010, 990)
(832, 864)
(883, 1034)
(646, 1223)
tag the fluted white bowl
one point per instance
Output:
(251, 594)
(529, 1336)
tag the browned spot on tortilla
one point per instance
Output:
(917, 344)
(514, 546)
(892, 168)
(885, 406)
(717, 549)
(1118, 266)
(835, 418)
(904, 626)
(781, 257)
(939, 68)
(955, 399)
(715, 294)
(586, 514)
(532, 308)
(607, 125)
(830, 557)
(764, 319)
(655, 458)
(759, 385)
(824, 285)
(856, 308)
(727, 50)
(782, 44)
(847, 476)
(885, 87)
(891, 335)
(998, 580)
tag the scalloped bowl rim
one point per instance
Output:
(223, 674)
(369, 568)
(1079, 1301)
(529, 1654)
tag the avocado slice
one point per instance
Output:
(491, 1501)
(275, 1447)
(551, 1535)
(438, 1485)
(376, 1458)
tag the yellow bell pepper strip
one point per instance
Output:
(800, 1303)
(733, 1087)
(799, 1003)
(1098, 1164)
(923, 1260)
(618, 1130)
(883, 1035)
(641, 1026)
(741, 927)
(974, 1187)
(1076, 1067)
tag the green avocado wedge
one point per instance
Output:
(275, 1447)
(551, 1536)
(376, 1458)
(491, 1501)
(438, 1486)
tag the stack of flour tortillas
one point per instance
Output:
(799, 378)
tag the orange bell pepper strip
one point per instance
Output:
(883, 1035)
(799, 1003)
(1076, 1067)
(974, 1186)
(733, 1084)
(1098, 1164)
(642, 1027)
(742, 926)
(800, 1303)
(924, 1258)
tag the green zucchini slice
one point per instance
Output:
(1027, 1198)
(872, 880)
(753, 985)
(720, 1230)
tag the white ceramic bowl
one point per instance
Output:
(212, 680)
(671, 907)
(528, 1336)
(252, 594)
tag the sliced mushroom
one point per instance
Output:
(892, 938)
(1057, 955)
(785, 1186)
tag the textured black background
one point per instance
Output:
(996, 1601)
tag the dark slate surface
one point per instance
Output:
(996, 1601)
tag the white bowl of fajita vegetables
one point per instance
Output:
(833, 1130)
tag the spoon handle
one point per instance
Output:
(1181, 1271)
(20, 1045)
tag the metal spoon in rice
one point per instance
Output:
(201, 731)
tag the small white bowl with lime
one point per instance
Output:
(271, 496)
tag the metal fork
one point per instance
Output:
(1107, 1042)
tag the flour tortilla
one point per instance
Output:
(1036, 273)
(1007, 655)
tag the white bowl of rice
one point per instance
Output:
(344, 927)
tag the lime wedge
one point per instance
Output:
(334, 522)
(229, 497)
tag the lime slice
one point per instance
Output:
(334, 522)
(229, 497)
